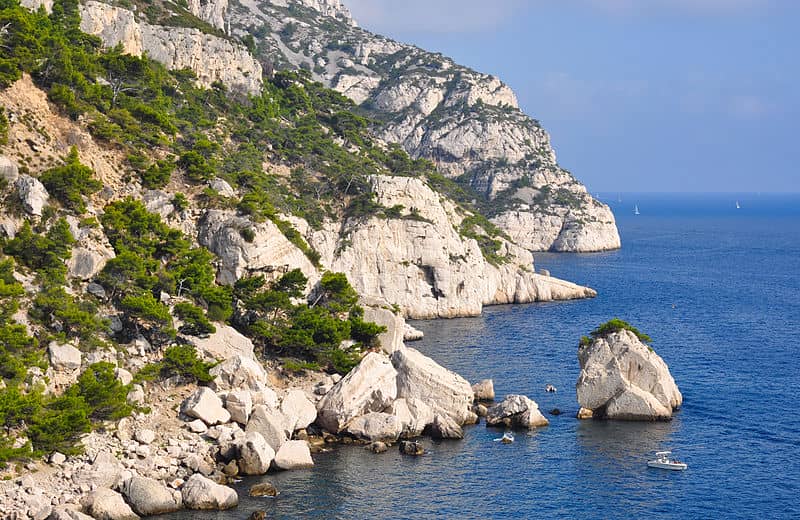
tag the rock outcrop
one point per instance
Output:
(210, 57)
(211, 11)
(467, 122)
(269, 250)
(622, 378)
(421, 378)
(369, 387)
(516, 411)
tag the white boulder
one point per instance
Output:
(239, 404)
(105, 504)
(255, 454)
(369, 387)
(376, 426)
(199, 492)
(150, 497)
(225, 343)
(239, 372)
(294, 455)
(516, 411)
(32, 194)
(204, 404)
(484, 390)
(420, 377)
(298, 410)
(64, 357)
(270, 423)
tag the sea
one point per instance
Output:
(718, 290)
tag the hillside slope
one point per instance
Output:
(468, 123)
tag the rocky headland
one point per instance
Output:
(206, 264)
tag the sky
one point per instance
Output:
(638, 95)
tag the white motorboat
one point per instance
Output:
(662, 461)
(507, 438)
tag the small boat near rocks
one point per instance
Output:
(507, 438)
(662, 461)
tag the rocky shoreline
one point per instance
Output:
(253, 420)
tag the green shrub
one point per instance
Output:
(248, 234)
(62, 313)
(196, 166)
(70, 182)
(182, 360)
(195, 321)
(46, 253)
(617, 325)
(180, 202)
(364, 332)
(157, 175)
(104, 395)
(148, 309)
(59, 425)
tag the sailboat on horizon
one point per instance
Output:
(636, 209)
(737, 205)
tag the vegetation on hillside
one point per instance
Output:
(172, 131)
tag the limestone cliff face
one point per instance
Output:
(210, 57)
(211, 11)
(422, 264)
(418, 262)
(468, 123)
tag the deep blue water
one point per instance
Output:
(718, 290)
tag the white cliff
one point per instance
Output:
(210, 57)
(422, 264)
(468, 123)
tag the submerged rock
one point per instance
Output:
(411, 448)
(263, 489)
(622, 378)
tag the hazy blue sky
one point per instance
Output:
(638, 95)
